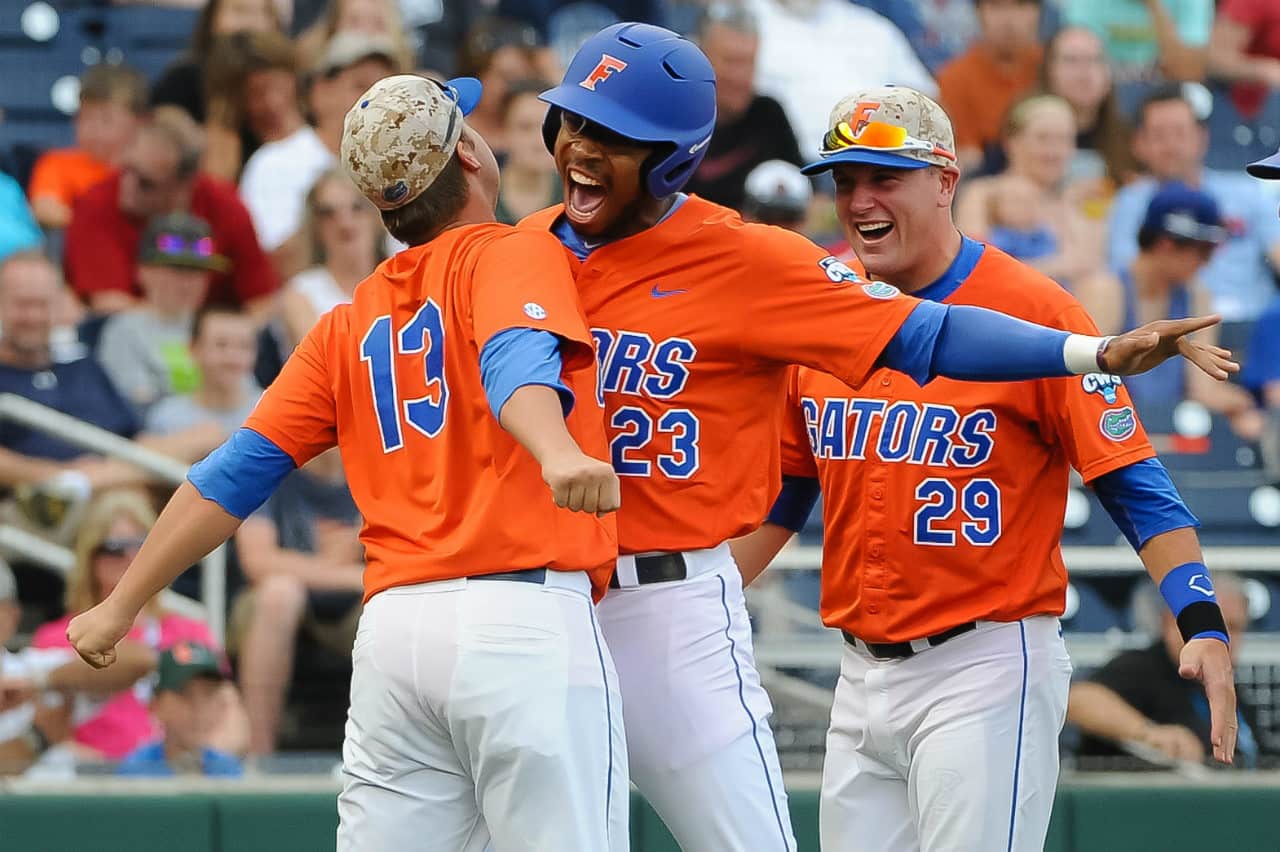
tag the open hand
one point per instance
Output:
(1209, 661)
(1151, 345)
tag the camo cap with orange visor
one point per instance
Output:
(891, 126)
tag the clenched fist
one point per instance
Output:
(582, 484)
(95, 633)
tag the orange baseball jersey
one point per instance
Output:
(943, 504)
(696, 321)
(394, 380)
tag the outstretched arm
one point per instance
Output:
(976, 344)
(206, 510)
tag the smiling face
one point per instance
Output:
(602, 174)
(895, 219)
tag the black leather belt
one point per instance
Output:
(527, 575)
(663, 568)
(902, 650)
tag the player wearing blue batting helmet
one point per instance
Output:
(648, 85)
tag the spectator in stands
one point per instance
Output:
(352, 62)
(345, 233)
(566, 24)
(750, 127)
(113, 99)
(1245, 47)
(113, 529)
(26, 729)
(777, 194)
(223, 347)
(159, 176)
(1181, 231)
(1075, 69)
(143, 349)
(814, 52)
(946, 27)
(978, 87)
(301, 554)
(190, 703)
(1039, 135)
(18, 228)
(182, 85)
(376, 18)
(277, 178)
(1149, 39)
(1171, 142)
(52, 477)
(1141, 697)
(502, 52)
(1020, 220)
(529, 178)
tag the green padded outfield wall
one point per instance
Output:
(1087, 818)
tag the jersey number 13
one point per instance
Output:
(421, 337)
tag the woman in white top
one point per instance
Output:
(346, 237)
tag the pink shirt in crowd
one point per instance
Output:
(119, 723)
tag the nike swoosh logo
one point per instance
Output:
(696, 148)
(658, 293)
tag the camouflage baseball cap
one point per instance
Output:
(401, 133)
(892, 126)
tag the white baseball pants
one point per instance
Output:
(484, 712)
(952, 750)
(697, 718)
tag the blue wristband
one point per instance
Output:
(1189, 593)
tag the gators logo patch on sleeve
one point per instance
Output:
(1118, 424)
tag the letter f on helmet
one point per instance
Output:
(603, 70)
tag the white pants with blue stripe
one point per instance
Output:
(952, 750)
(701, 750)
(484, 714)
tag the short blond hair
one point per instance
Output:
(82, 592)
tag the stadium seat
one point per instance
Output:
(1088, 611)
(149, 26)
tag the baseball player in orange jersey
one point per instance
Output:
(480, 711)
(696, 317)
(943, 508)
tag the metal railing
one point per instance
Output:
(33, 415)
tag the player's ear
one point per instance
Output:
(467, 151)
(948, 178)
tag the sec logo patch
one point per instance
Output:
(535, 311)
(880, 290)
(1118, 424)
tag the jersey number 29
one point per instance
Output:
(979, 501)
(422, 336)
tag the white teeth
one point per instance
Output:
(867, 227)
(584, 179)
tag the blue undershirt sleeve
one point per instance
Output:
(517, 357)
(242, 473)
(973, 344)
(795, 502)
(1143, 501)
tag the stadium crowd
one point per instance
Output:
(175, 222)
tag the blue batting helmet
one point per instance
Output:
(648, 84)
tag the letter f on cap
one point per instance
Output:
(603, 70)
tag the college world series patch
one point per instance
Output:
(1118, 424)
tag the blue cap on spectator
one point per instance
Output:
(1184, 213)
(1268, 169)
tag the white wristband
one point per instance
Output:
(1080, 352)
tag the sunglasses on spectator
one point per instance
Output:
(578, 125)
(118, 546)
(878, 136)
(175, 244)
